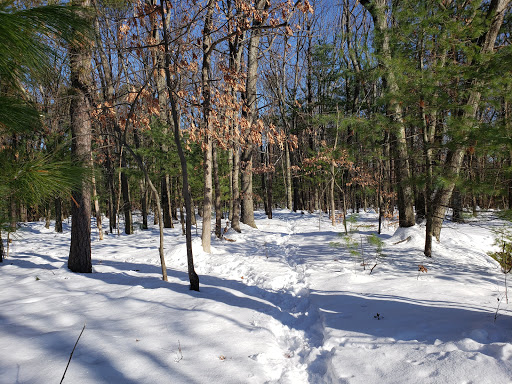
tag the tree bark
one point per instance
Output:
(230, 167)
(48, 213)
(208, 145)
(58, 214)
(218, 208)
(235, 223)
(144, 204)
(174, 198)
(2, 252)
(127, 203)
(270, 174)
(263, 163)
(509, 183)
(247, 193)
(97, 210)
(112, 208)
(81, 133)
(457, 206)
(166, 201)
(288, 183)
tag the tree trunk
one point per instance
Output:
(166, 201)
(428, 140)
(193, 278)
(508, 161)
(127, 203)
(48, 213)
(235, 64)
(208, 144)
(235, 223)
(288, 184)
(182, 220)
(269, 180)
(156, 213)
(296, 197)
(421, 208)
(333, 207)
(230, 167)
(58, 214)
(144, 204)
(1, 248)
(263, 178)
(457, 206)
(12, 215)
(81, 133)
(112, 209)
(97, 210)
(251, 111)
(23, 215)
(174, 198)
(218, 208)
(247, 195)
(509, 184)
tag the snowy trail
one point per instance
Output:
(281, 281)
(301, 336)
(304, 334)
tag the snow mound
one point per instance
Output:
(411, 237)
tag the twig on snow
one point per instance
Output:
(71, 355)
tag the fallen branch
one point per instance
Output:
(402, 241)
(71, 355)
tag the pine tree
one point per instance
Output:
(28, 39)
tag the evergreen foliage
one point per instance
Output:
(30, 38)
(503, 240)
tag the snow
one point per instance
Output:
(280, 304)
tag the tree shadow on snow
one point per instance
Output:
(88, 363)
(233, 293)
(405, 319)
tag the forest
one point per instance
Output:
(227, 106)
(206, 120)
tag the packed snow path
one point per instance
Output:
(279, 304)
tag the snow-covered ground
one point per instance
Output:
(280, 304)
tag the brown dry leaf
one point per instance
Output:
(422, 268)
